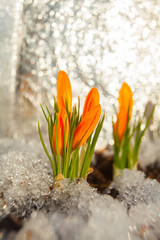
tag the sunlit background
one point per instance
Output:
(98, 43)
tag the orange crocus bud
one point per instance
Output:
(64, 91)
(86, 127)
(125, 104)
(91, 101)
(62, 116)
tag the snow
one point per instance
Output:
(134, 188)
(73, 210)
(146, 220)
(24, 181)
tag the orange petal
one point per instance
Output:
(121, 123)
(125, 99)
(125, 103)
(64, 91)
(91, 101)
(86, 127)
(62, 115)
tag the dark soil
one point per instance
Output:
(152, 171)
(102, 175)
(10, 223)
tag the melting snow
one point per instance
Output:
(73, 210)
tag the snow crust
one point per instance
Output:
(73, 210)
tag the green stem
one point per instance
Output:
(45, 149)
(57, 150)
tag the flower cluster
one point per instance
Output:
(125, 148)
(71, 136)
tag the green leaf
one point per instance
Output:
(64, 147)
(67, 110)
(73, 164)
(57, 150)
(116, 147)
(125, 150)
(56, 108)
(45, 149)
(139, 136)
(44, 113)
(90, 149)
(49, 113)
(69, 145)
(50, 134)
(148, 121)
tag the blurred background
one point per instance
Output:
(98, 43)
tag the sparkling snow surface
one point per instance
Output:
(134, 188)
(73, 210)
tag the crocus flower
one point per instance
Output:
(91, 101)
(90, 118)
(125, 108)
(86, 126)
(68, 131)
(62, 117)
(91, 111)
(64, 91)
